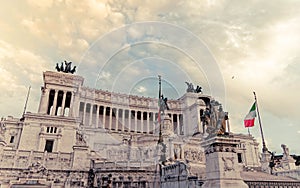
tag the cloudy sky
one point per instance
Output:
(230, 48)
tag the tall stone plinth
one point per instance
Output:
(167, 128)
(287, 162)
(80, 158)
(222, 169)
(265, 162)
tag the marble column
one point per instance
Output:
(110, 118)
(142, 122)
(117, 119)
(148, 122)
(153, 124)
(97, 116)
(74, 105)
(104, 116)
(54, 103)
(178, 125)
(62, 110)
(123, 119)
(91, 115)
(135, 121)
(129, 120)
(84, 113)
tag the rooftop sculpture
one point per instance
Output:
(67, 68)
(192, 89)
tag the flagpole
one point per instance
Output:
(264, 148)
(25, 106)
(248, 131)
(160, 138)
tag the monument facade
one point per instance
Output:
(85, 137)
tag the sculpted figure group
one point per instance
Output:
(214, 119)
(191, 88)
(67, 68)
(163, 104)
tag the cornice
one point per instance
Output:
(60, 78)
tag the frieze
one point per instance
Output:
(62, 79)
(117, 98)
(20, 176)
(50, 120)
(220, 148)
(194, 155)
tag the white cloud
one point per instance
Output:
(43, 4)
(104, 76)
(141, 89)
(19, 69)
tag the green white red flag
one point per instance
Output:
(250, 117)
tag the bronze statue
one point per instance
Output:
(163, 105)
(206, 117)
(198, 89)
(73, 70)
(215, 119)
(222, 129)
(192, 89)
(57, 67)
(66, 69)
(62, 66)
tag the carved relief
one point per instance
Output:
(2, 130)
(194, 155)
(65, 79)
(177, 151)
(228, 163)
(37, 168)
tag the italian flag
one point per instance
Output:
(250, 117)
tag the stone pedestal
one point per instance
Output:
(80, 158)
(167, 128)
(222, 169)
(265, 162)
(287, 162)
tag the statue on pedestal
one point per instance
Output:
(286, 152)
(215, 119)
(79, 139)
(287, 162)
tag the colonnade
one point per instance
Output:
(60, 102)
(124, 119)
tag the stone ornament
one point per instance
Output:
(37, 168)
(228, 163)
